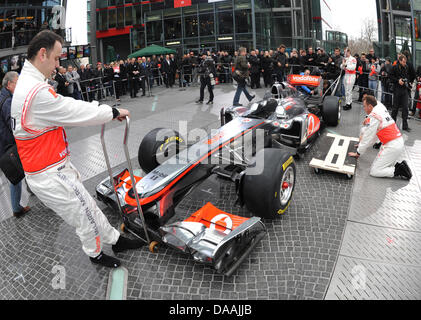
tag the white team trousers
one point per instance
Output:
(61, 190)
(349, 80)
(388, 156)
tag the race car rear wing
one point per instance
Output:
(304, 80)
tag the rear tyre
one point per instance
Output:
(267, 192)
(331, 112)
(157, 146)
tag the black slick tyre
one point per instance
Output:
(267, 192)
(157, 146)
(331, 110)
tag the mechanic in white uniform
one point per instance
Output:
(379, 124)
(39, 115)
(349, 64)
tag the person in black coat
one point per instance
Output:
(207, 72)
(385, 70)
(167, 71)
(311, 57)
(174, 68)
(254, 70)
(267, 67)
(187, 69)
(6, 136)
(124, 77)
(280, 63)
(83, 81)
(363, 75)
(401, 78)
(62, 83)
(294, 62)
(133, 74)
(98, 75)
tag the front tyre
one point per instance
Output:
(158, 146)
(267, 192)
(331, 112)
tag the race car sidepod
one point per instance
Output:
(214, 237)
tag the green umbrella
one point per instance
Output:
(151, 50)
(111, 55)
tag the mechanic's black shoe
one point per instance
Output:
(377, 145)
(209, 102)
(347, 107)
(126, 244)
(21, 212)
(407, 129)
(199, 101)
(106, 261)
(402, 170)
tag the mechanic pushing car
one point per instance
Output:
(379, 124)
(349, 64)
(39, 114)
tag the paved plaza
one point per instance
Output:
(339, 239)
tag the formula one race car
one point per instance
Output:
(293, 119)
(264, 180)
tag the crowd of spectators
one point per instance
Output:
(128, 77)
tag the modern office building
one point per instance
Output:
(20, 20)
(398, 27)
(416, 15)
(200, 25)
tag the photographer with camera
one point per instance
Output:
(401, 78)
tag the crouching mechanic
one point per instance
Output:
(39, 116)
(379, 124)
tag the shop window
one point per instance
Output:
(191, 26)
(225, 23)
(154, 31)
(206, 23)
(172, 28)
(243, 23)
(129, 16)
(112, 18)
(401, 5)
(120, 17)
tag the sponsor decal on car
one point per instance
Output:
(287, 163)
(313, 124)
(303, 80)
(215, 138)
(171, 139)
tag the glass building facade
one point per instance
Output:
(27, 17)
(206, 24)
(395, 27)
(416, 14)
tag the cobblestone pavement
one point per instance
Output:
(295, 261)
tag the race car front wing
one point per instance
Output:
(214, 237)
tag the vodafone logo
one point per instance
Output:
(306, 78)
(222, 219)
